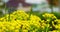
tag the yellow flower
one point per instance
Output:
(55, 31)
(47, 15)
(11, 28)
(3, 28)
(17, 27)
(59, 21)
(34, 31)
(25, 31)
(43, 27)
(16, 30)
(56, 26)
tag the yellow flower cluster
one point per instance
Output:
(47, 15)
(19, 21)
(57, 26)
(53, 22)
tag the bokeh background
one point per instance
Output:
(41, 6)
(29, 15)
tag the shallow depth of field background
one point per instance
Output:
(37, 15)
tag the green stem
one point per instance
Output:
(30, 12)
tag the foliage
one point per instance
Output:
(19, 21)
